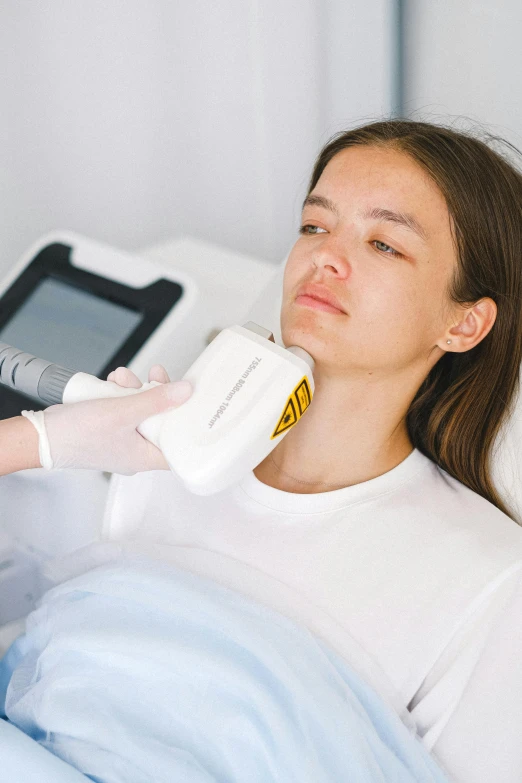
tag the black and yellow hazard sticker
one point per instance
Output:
(296, 405)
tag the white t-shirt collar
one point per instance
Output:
(297, 503)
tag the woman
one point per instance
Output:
(375, 521)
(97, 434)
(379, 506)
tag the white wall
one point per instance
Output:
(137, 121)
(463, 59)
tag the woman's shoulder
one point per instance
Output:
(454, 515)
(467, 513)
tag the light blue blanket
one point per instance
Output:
(139, 672)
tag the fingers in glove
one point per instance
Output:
(158, 373)
(157, 400)
(125, 377)
(104, 434)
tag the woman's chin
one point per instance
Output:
(313, 340)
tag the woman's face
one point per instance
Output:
(376, 235)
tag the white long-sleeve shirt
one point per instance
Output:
(412, 577)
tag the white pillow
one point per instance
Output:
(506, 467)
(506, 463)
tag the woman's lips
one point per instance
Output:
(316, 304)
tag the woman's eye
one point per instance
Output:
(384, 248)
(315, 229)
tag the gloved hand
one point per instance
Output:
(102, 434)
(125, 377)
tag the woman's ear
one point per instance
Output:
(474, 324)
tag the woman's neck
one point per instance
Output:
(270, 473)
(338, 443)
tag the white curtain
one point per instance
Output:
(140, 120)
(463, 64)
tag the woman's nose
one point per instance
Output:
(332, 257)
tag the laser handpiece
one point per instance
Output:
(248, 393)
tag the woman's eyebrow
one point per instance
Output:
(401, 218)
(320, 201)
(374, 213)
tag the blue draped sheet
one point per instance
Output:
(139, 672)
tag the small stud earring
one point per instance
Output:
(448, 341)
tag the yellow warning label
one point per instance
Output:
(296, 405)
(303, 395)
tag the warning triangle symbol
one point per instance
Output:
(288, 419)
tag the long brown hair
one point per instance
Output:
(462, 403)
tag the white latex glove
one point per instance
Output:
(102, 434)
(125, 377)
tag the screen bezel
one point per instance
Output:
(153, 302)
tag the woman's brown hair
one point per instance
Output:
(461, 405)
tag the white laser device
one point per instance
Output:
(248, 392)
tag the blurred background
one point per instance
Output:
(135, 121)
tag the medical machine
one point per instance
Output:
(90, 307)
(248, 393)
